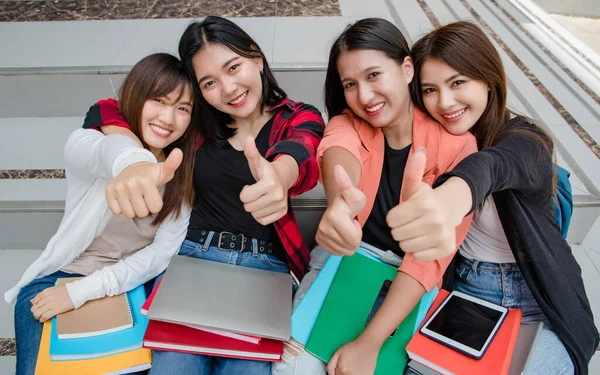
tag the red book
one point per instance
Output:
(179, 338)
(146, 305)
(445, 360)
(233, 335)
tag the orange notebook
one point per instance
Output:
(123, 363)
(445, 360)
(95, 317)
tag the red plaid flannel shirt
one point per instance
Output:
(297, 130)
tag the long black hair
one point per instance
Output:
(222, 31)
(367, 34)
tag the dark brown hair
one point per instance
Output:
(153, 77)
(367, 34)
(466, 48)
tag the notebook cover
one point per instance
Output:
(138, 359)
(306, 313)
(98, 346)
(495, 361)
(164, 336)
(346, 308)
(95, 317)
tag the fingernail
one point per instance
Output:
(422, 149)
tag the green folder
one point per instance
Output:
(346, 308)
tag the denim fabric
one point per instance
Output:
(173, 363)
(503, 284)
(28, 330)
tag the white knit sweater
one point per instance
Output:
(92, 160)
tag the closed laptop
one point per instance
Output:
(216, 295)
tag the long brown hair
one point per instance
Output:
(466, 48)
(153, 77)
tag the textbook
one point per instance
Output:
(96, 317)
(106, 344)
(445, 360)
(355, 290)
(179, 338)
(123, 363)
(233, 335)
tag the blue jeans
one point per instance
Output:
(173, 363)
(503, 284)
(28, 331)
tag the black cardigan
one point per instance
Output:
(518, 173)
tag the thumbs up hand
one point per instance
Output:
(420, 223)
(267, 199)
(134, 192)
(339, 232)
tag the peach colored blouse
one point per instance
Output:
(366, 143)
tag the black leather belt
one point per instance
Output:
(230, 241)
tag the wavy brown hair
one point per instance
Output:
(156, 76)
(466, 48)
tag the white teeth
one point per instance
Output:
(160, 130)
(239, 99)
(456, 114)
(376, 108)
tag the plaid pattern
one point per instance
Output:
(297, 131)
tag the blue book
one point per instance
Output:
(424, 306)
(306, 313)
(106, 344)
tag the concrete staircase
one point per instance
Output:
(51, 72)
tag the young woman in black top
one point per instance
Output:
(514, 254)
(256, 149)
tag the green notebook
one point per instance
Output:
(346, 308)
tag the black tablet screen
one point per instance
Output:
(466, 322)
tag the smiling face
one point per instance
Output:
(229, 82)
(375, 86)
(166, 118)
(457, 102)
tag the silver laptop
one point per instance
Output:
(209, 294)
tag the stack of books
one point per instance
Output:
(210, 308)
(429, 357)
(103, 336)
(337, 307)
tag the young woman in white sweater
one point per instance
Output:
(114, 253)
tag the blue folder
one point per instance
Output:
(107, 344)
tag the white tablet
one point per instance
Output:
(465, 323)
